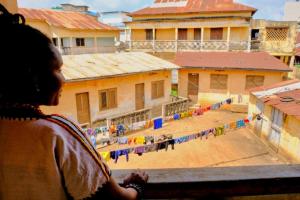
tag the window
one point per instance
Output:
(254, 34)
(80, 42)
(277, 34)
(197, 34)
(108, 99)
(157, 89)
(83, 108)
(54, 41)
(149, 34)
(182, 34)
(254, 81)
(218, 81)
(216, 33)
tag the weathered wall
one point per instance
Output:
(236, 84)
(125, 94)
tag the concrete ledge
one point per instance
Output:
(219, 183)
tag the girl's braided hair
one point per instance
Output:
(25, 60)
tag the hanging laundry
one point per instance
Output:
(233, 125)
(122, 140)
(131, 141)
(176, 117)
(219, 131)
(150, 148)
(120, 129)
(149, 139)
(139, 140)
(240, 124)
(139, 150)
(229, 101)
(158, 123)
(105, 155)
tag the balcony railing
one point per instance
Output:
(222, 183)
(87, 50)
(187, 45)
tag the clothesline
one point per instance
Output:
(121, 129)
(156, 145)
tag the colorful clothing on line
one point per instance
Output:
(122, 140)
(176, 117)
(219, 131)
(139, 150)
(139, 140)
(158, 123)
(240, 124)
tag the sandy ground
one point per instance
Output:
(237, 148)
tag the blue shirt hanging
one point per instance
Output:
(158, 123)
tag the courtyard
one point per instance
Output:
(239, 147)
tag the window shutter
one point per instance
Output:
(254, 81)
(112, 98)
(218, 81)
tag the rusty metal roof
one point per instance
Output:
(287, 102)
(284, 96)
(259, 61)
(65, 19)
(192, 6)
(99, 66)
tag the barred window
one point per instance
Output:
(277, 34)
(254, 81)
(218, 81)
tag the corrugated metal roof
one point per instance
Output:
(97, 66)
(193, 6)
(274, 95)
(279, 101)
(277, 88)
(260, 61)
(65, 19)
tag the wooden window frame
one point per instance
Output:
(149, 34)
(247, 86)
(211, 30)
(215, 77)
(155, 92)
(80, 42)
(109, 103)
(182, 37)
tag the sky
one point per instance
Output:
(267, 9)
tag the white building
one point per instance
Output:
(292, 11)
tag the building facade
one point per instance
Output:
(210, 77)
(102, 86)
(191, 25)
(291, 11)
(280, 123)
(73, 32)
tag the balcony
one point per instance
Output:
(257, 182)
(186, 45)
(87, 50)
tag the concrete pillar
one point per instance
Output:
(153, 39)
(130, 35)
(10, 5)
(202, 38)
(59, 44)
(176, 39)
(249, 40)
(228, 38)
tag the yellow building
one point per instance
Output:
(191, 25)
(73, 32)
(101, 86)
(275, 37)
(280, 109)
(210, 77)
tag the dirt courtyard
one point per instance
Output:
(237, 148)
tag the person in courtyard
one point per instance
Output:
(51, 157)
